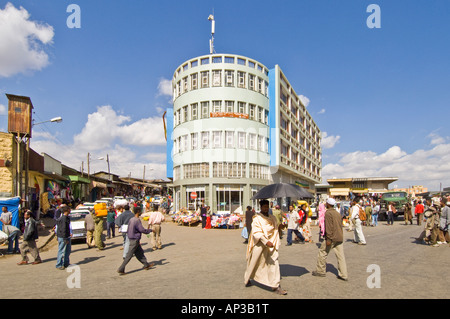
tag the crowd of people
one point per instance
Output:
(265, 231)
(125, 218)
(263, 236)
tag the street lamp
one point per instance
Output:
(53, 120)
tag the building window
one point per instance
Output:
(205, 110)
(241, 140)
(241, 61)
(229, 106)
(185, 84)
(194, 141)
(194, 83)
(284, 150)
(194, 111)
(283, 123)
(205, 139)
(241, 107)
(205, 79)
(224, 169)
(194, 63)
(241, 79)
(217, 139)
(252, 111)
(251, 82)
(229, 139)
(204, 61)
(260, 86)
(184, 143)
(259, 171)
(217, 106)
(216, 78)
(251, 64)
(252, 141)
(217, 59)
(229, 78)
(229, 59)
(260, 114)
(185, 114)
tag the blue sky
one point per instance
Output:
(380, 96)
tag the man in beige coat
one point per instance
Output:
(334, 238)
(262, 251)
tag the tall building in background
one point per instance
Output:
(237, 126)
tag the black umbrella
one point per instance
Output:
(282, 190)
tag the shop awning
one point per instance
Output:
(56, 177)
(79, 179)
(98, 184)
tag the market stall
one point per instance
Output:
(185, 217)
(227, 221)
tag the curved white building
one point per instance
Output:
(221, 146)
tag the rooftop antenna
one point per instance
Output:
(213, 30)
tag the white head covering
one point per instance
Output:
(331, 201)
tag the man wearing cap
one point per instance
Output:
(334, 238)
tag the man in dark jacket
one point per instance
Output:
(123, 217)
(334, 238)
(134, 232)
(30, 234)
(63, 233)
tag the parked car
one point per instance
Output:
(77, 223)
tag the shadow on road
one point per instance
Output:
(290, 270)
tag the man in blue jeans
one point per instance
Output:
(64, 234)
(293, 224)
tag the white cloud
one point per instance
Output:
(305, 101)
(105, 126)
(22, 42)
(3, 110)
(165, 87)
(423, 167)
(435, 139)
(108, 133)
(329, 141)
(322, 111)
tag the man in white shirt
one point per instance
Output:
(293, 225)
(154, 221)
(354, 216)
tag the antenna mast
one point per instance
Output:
(213, 30)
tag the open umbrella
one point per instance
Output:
(282, 190)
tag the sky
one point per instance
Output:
(377, 79)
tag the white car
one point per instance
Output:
(77, 222)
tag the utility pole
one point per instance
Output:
(89, 172)
(143, 177)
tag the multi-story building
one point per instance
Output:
(235, 127)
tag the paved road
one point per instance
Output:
(196, 263)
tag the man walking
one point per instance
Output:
(262, 251)
(293, 225)
(30, 234)
(63, 233)
(358, 232)
(135, 229)
(90, 227)
(124, 216)
(154, 223)
(334, 237)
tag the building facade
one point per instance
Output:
(233, 130)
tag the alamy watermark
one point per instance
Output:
(74, 19)
(374, 20)
(374, 279)
(74, 279)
